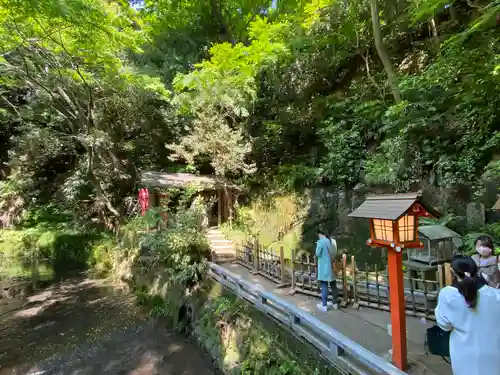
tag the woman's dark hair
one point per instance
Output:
(466, 269)
(321, 231)
(485, 241)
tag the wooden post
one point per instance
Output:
(440, 276)
(447, 274)
(282, 264)
(345, 285)
(292, 291)
(255, 253)
(397, 306)
(151, 198)
(230, 202)
(354, 284)
(225, 213)
(219, 207)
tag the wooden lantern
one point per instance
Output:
(394, 220)
(394, 225)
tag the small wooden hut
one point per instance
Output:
(209, 187)
(440, 245)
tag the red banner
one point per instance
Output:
(144, 200)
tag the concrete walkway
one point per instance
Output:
(368, 327)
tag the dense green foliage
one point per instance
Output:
(281, 95)
(48, 241)
(288, 91)
(144, 251)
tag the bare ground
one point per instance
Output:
(86, 327)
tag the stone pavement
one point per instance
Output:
(368, 327)
(223, 250)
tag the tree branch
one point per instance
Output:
(370, 77)
(382, 52)
(11, 105)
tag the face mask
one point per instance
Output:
(483, 251)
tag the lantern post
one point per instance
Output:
(394, 226)
(397, 304)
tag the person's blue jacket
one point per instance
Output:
(325, 272)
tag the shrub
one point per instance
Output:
(49, 235)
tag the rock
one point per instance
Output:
(198, 331)
(215, 352)
(475, 216)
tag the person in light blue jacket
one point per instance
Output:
(326, 250)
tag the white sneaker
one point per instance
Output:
(321, 307)
(332, 305)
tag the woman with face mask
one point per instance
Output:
(486, 261)
(469, 309)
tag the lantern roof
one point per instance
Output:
(390, 206)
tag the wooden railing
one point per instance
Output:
(346, 356)
(358, 285)
(262, 261)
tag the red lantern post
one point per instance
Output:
(394, 226)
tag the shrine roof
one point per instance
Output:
(183, 180)
(390, 206)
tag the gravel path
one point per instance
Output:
(86, 327)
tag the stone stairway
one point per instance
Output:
(223, 250)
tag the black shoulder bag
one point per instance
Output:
(437, 342)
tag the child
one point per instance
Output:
(486, 261)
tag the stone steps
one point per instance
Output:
(223, 250)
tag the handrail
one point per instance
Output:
(342, 352)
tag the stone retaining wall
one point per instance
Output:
(242, 340)
(238, 338)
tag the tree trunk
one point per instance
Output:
(101, 194)
(434, 32)
(225, 31)
(453, 14)
(382, 52)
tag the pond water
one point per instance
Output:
(84, 326)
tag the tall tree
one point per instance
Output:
(382, 52)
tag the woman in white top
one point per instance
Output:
(470, 310)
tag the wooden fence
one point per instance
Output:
(357, 285)
(262, 261)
